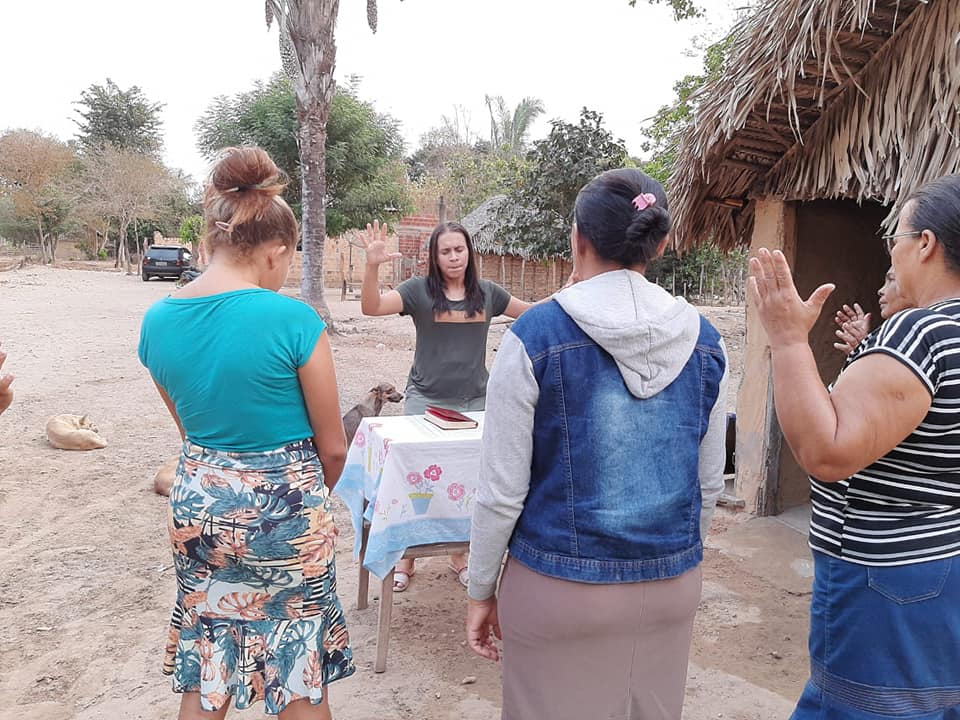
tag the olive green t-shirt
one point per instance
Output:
(449, 362)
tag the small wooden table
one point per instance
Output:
(410, 488)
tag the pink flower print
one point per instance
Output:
(456, 491)
(394, 501)
(414, 478)
(433, 473)
(360, 440)
(376, 507)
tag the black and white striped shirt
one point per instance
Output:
(905, 507)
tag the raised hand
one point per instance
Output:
(374, 241)
(786, 317)
(6, 391)
(854, 326)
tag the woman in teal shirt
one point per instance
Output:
(248, 376)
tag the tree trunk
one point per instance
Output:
(123, 252)
(310, 26)
(43, 241)
(313, 139)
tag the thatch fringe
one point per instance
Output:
(822, 99)
(482, 224)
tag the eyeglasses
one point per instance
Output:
(891, 239)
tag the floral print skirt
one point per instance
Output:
(257, 615)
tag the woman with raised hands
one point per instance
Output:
(882, 448)
(451, 308)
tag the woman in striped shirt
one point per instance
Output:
(882, 447)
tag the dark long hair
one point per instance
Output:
(474, 299)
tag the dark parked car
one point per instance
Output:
(165, 261)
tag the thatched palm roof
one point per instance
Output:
(822, 99)
(482, 224)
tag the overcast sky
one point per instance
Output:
(427, 57)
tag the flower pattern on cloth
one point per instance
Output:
(257, 615)
(402, 488)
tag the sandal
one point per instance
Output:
(401, 580)
(463, 574)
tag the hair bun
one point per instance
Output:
(647, 230)
(242, 169)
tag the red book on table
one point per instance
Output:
(448, 419)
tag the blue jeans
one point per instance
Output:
(884, 642)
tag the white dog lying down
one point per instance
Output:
(73, 432)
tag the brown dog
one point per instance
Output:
(370, 406)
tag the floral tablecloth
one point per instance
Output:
(419, 483)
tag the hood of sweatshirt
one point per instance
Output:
(649, 333)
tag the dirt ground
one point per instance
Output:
(85, 580)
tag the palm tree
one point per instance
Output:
(308, 54)
(508, 131)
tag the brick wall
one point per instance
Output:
(343, 260)
(413, 232)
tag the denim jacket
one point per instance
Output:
(607, 429)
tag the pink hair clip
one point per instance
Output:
(644, 200)
(226, 227)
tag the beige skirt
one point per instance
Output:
(604, 652)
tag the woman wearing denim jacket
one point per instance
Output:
(603, 456)
(882, 447)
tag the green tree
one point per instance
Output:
(264, 116)
(365, 178)
(538, 216)
(125, 119)
(464, 175)
(191, 232)
(308, 54)
(509, 130)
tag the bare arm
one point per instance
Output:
(517, 307)
(371, 301)
(319, 382)
(172, 408)
(875, 404)
(374, 242)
